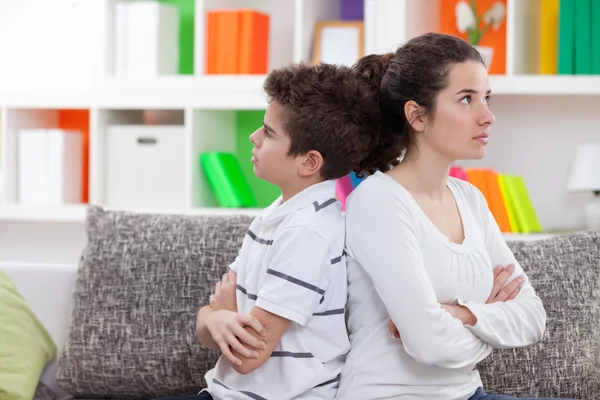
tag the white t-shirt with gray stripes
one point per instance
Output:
(292, 263)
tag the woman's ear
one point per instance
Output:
(311, 164)
(415, 116)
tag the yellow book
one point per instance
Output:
(525, 212)
(549, 10)
(513, 222)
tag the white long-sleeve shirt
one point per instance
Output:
(400, 266)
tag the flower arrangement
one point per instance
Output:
(467, 20)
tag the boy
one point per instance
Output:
(278, 316)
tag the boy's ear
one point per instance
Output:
(311, 164)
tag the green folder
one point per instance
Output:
(583, 37)
(566, 37)
(225, 177)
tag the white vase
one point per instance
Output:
(591, 213)
(486, 53)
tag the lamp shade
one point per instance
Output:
(585, 171)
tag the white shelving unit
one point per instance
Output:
(540, 119)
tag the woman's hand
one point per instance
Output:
(393, 330)
(461, 313)
(510, 291)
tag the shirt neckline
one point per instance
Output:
(466, 244)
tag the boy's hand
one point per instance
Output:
(228, 331)
(224, 297)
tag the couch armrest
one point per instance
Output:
(48, 289)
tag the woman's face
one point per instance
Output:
(460, 124)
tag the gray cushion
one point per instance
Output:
(141, 280)
(565, 271)
(43, 392)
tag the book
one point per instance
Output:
(343, 188)
(583, 39)
(508, 199)
(458, 172)
(146, 39)
(486, 180)
(566, 37)
(226, 178)
(549, 36)
(49, 166)
(237, 42)
(595, 36)
(355, 179)
(524, 211)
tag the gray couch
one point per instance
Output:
(142, 278)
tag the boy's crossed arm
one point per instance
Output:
(243, 339)
(248, 340)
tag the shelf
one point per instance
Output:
(535, 85)
(229, 92)
(236, 92)
(76, 213)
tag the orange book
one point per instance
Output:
(486, 181)
(495, 38)
(223, 42)
(237, 42)
(212, 44)
(79, 120)
(496, 202)
(476, 177)
(254, 43)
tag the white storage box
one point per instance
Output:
(145, 166)
(49, 168)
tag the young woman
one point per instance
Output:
(422, 246)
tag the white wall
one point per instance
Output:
(39, 242)
(537, 137)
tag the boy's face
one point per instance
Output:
(270, 153)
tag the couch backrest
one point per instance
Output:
(141, 281)
(565, 271)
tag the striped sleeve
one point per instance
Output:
(295, 281)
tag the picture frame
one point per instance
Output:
(338, 42)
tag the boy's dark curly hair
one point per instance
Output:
(327, 109)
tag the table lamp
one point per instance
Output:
(585, 177)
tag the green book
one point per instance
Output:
(583, 37)
(225, 177)
(595, 36)
(509, 203)
(566, 37)
(524, 212)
